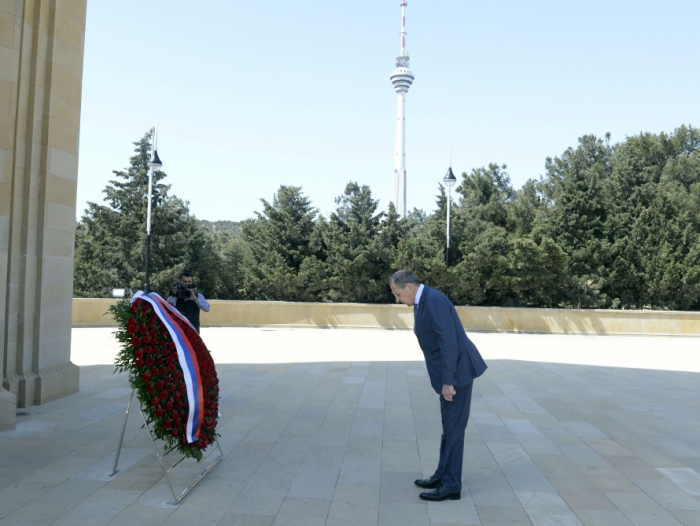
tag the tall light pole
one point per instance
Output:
(449, 180)
(154, 165)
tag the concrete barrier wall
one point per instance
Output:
(90, 313)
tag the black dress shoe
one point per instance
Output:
(441, 493)
(432, 482)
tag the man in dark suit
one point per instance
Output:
(453, 363)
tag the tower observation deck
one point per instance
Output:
(401, 78)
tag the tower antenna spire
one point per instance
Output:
(403, 27)
(401, 78)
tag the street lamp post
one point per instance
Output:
(449, 180)
(154, 165)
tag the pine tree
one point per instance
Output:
(360, 243)
(110, 249)
(280, 240)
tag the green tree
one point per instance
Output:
(360, 244)
(280, 240)
(110, 246)
(575, 187)
(654, 221)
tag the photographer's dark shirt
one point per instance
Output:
(189, 308)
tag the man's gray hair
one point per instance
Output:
(401, 278)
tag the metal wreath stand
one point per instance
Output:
(154, 164)
(166, 472)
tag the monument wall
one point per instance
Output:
(41, 67)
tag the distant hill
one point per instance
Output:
(232, 228)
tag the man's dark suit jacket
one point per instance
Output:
(451, 357)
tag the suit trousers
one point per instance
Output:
(455, 415)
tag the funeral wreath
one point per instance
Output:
(150, 356)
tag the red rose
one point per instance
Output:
(159, 361)
(176, 396)
(177, 375)
(152, 333)
(146, 340)
(149, 361)
(181, 384)
(155, 401)
(159, 412)
(138, 302)
(146, 307)
(150, 388)
(145, 378)
(177, 422)
(176, 414)
(138, 363)
(138, 353)
(162, 370)
(167, 424)
(135, 341)
(174, 433)
(154, 372)
(171, 388)
(142, 329)
(179, 405)
(163, 395)
(183, 440)
(172, 346)
(169, 406)
(147, 350)
(172, 367)
(160, 385)
(132, 309)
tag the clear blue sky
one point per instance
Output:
(251, 95)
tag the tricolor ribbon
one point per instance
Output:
(186, 357)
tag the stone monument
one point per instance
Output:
(41, 71)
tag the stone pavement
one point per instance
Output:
(339, 442)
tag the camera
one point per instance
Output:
(182, 291)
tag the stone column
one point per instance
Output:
(41, 61)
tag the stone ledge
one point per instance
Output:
(56, 382)
(91, 313)
(46, 385)
(8, 410)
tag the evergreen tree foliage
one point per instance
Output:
(280, 241)
(606, 226)
(110, 246)
(357, 254)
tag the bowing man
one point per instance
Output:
(453, 362)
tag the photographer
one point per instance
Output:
(183, 298)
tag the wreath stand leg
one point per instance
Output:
(205, 471)
(115, 470)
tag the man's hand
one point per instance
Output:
(448, 392)
(192, 296)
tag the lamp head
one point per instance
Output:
(449, 180)
(155, 163)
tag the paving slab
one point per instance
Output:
(558, 435)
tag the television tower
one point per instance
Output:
(401, 78)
